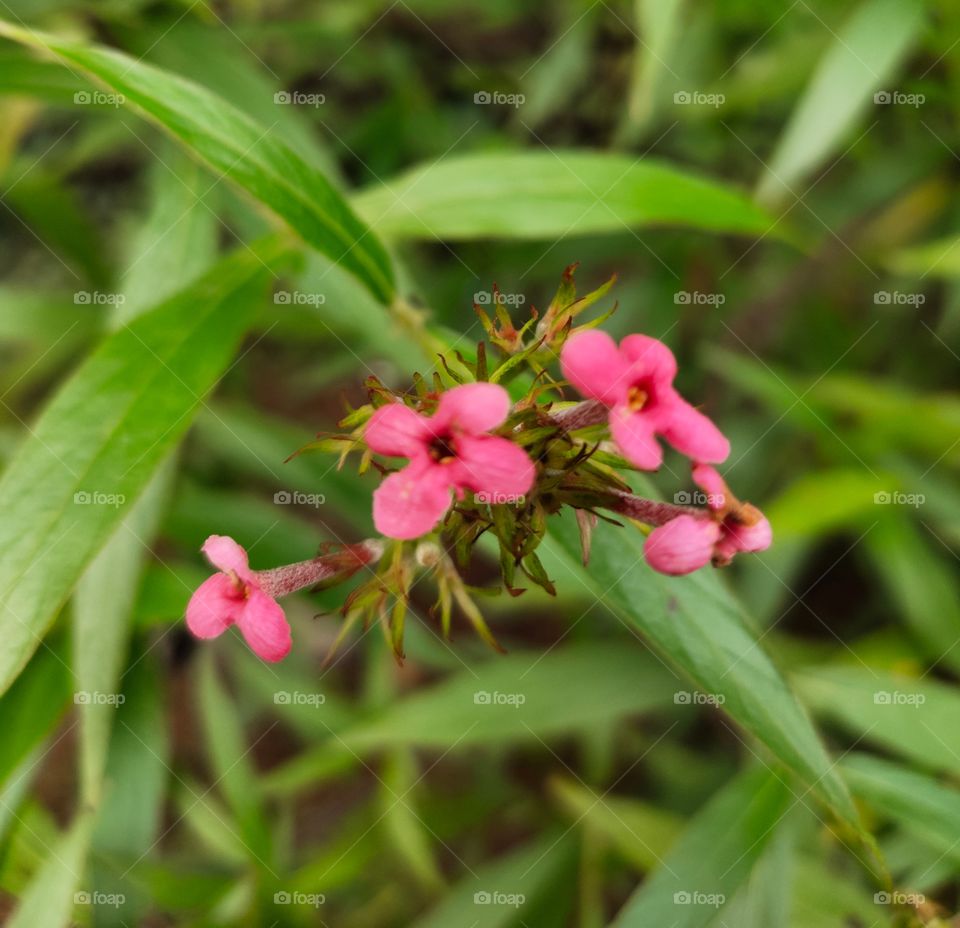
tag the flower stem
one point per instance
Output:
(650, 511)
(589, 412)
(339, 565)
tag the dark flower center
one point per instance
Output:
(442, 451)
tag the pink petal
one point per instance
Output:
(691, 432)
(634, 434)
(410, 503)
(493, 466)
(396, 430)
(265, 627)
(214, 606)
(592, 362)
(225, 554)
(707, 478)
(649, 357)
(683, 545)
(473, 408)
(756, 537)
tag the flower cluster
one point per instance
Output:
(498, 448)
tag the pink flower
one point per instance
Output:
(635, 382)
(236, 597)
(449, 451)
(689, 542)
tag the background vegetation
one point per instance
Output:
(186, 299)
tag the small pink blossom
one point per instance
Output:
(635, 382)
(449, 452)
(235, 597)
(689, 542)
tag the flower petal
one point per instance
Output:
(592, 362)
(214, 606)
(649, 357)
(756, 537)
(494, 467)
(472, 407)
(397, 431)
(707, 478)
(682, 545)
(634, 434)
(265, 627)
(225, 554)
(410, 503)
(691, 432)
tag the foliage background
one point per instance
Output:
(820, 330)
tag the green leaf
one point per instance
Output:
(535, 194)
(916, 719)
(863, 56)
(928, 809)
(102, 621)
(522, 697)
(237, 147)
(102, 436)
(694, 622)
(500, 894)
(938, 259)
(713, 857)
(49, 898)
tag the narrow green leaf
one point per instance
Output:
(713, 857)
(694, 622)
(862, 57)
(535, 194)
(102, 436)
(916, 719)
(239, 148)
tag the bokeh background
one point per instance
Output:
(808, 288)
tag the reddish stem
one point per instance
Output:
(589, 412)
(282, 581)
